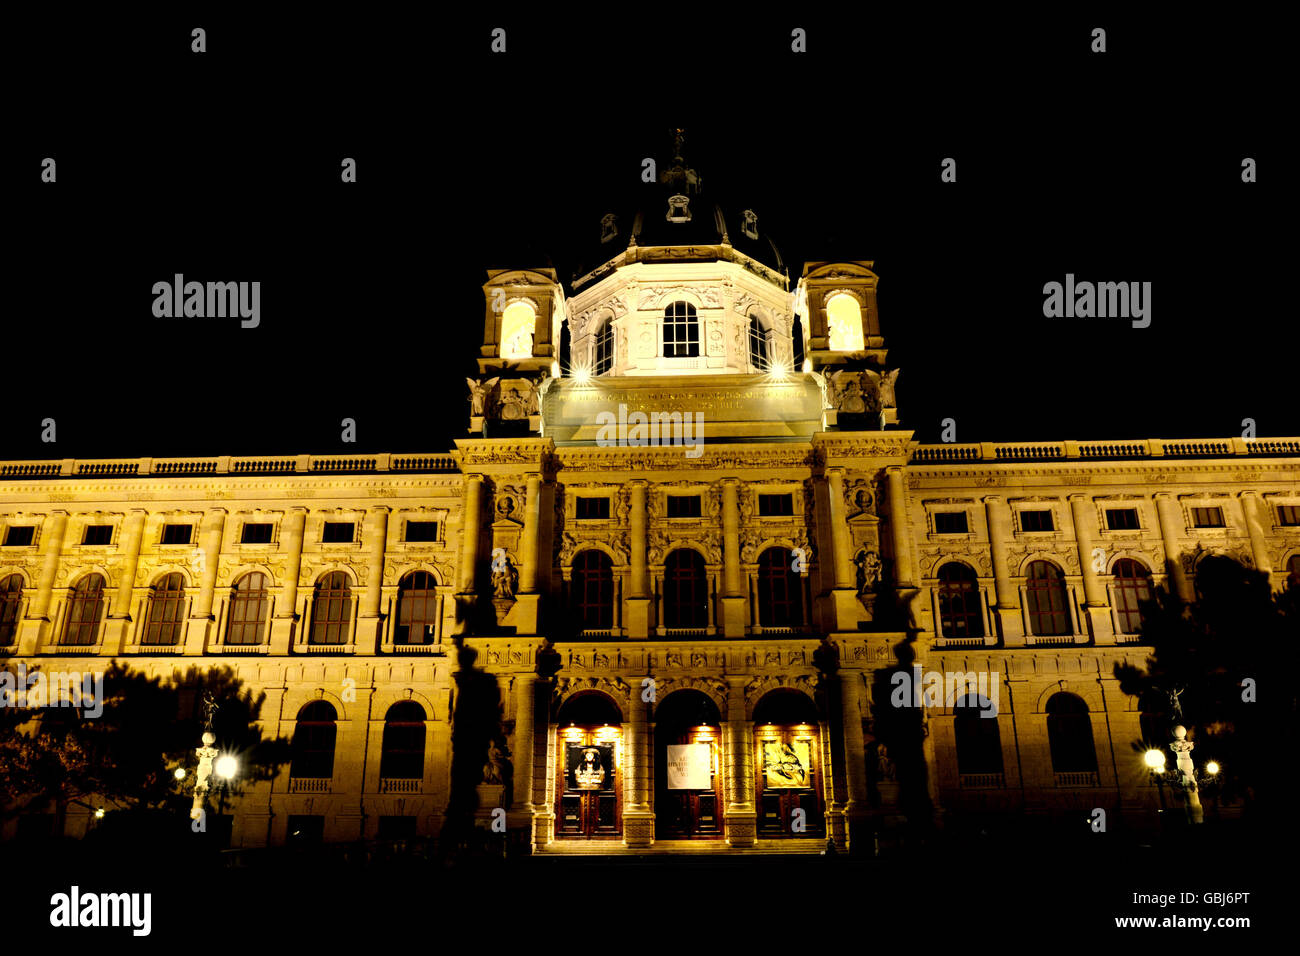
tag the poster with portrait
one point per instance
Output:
(690, 767)
(590, 766)
(787, 766)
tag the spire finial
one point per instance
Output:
(679, 135)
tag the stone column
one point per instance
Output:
(196, 633)
(36, 624)
(898, 521)
(741, 815)
(1171, 527)
(907, 580)
(118, 625)
(532, 526)
(369, 624)
(525, 706)
(638, 818)
(1008, 604)
(638, 597)
(845, 609)
(470, 533)
(1096, 606)
(291, 532)
(856, 807)
(733, 594)
(1253, 506)
(466, 597)
(524, 613)
(840, 530)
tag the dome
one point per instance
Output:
(676, 212)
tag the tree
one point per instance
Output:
(1230, 654)
(126, 756)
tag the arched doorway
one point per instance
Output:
(787, 763)
(687, 761)
(589, 758)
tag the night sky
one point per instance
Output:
(224, 166)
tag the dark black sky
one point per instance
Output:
(224, 166)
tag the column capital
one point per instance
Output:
(1163, 496)
(994, 499)
(139, 511)
(379, 508)
(1249, 493)
(1078, 496)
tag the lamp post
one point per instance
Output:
(1184, 779)
(210, 760)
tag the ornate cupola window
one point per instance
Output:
(750, 224)
(679, 209)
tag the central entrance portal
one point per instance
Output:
(688, 785)
(589, 754)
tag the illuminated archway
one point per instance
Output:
(844, 323)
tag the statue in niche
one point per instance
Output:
(479, 393)
(869, 568)
(494, 771)
(505, 579)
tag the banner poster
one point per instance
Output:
(590, 766)
(690, 767)
(787, 766)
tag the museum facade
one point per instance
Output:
(690, 542)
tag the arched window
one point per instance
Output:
(1293, 571)
(11, 601)
(166, 607)
(592, 590)
(681, 331)
(844, 323)
(313, 742)
(686, 590)
(1069, 735)
(979, 746)
(402, 756)
(1132, 587)
(780, 590)
(249, 607)
(603, 349)
(417, 609)
(959, 601)
(517, 324)
(85, 610)
(332, 610)
(757, 345)
(1048, 599)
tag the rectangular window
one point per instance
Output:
(950, 522)
(683, 506)
(1036, 521)
(775, 506)
(177, 533)
(419, 531)
(257, 532)
(1207, 517)
(1288, 515)
(1122, 519)
(589, 507)
(19, 536)
(338, 532)
(98, 534)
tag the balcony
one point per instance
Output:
(400, 785)
(983, 781)
(309, 784)
(1076, 779)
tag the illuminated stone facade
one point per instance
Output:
(999, 559)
